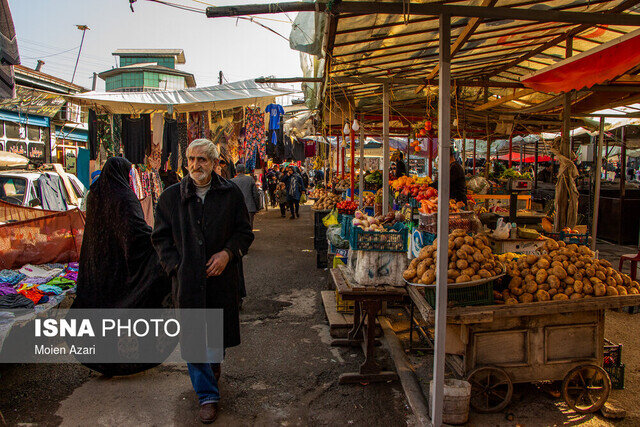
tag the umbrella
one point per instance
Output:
(515, 157)
(531, 159)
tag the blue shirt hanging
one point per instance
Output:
(275, 111)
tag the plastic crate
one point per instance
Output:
(616, 374)
(428, 238)
(343, 306)
(457, 220)
(321, 259)
(394, 239)
(612, 351)
(463, 296)
(346, 226)
(553, 235)
(578, 239)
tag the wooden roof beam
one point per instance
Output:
(431, 9)
(462, 38)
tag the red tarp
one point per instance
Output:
(532, 159)
(515, 157)
(595, 66)
(38, 236)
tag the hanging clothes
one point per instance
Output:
(170, 144)
(134, 137)
(309, 148)
(254, 132)
(105, 139)
(298, 151)
(183, 140)
(157, 129)
(195, 126)
(276, 112)
(93, 135)
(116, 134)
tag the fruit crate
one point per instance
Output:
(481, 294)
(553, 235)
(345, 226)
(343, 306)
(612, 353)
(616, 374)
(394, 239)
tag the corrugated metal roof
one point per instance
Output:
(406, 46)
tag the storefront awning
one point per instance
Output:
(78, 135)
(25, 119)
(595, 66)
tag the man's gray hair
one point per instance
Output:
(208, 146)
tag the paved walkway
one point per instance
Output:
(284, 373)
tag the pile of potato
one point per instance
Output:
(470, 259)
(326, 202)
(562, 272)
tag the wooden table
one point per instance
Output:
(368, 302)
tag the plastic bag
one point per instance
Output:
(502, 230)
(333, 234)
(331, 219)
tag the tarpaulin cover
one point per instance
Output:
(531, 159)
(586, 69)
(52, 238)
(220, 97)
(13, 213)
(119, 267)
(514, 157)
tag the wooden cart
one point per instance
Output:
(495, 346)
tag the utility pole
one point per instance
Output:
(84, 29)
(95, 80)
(220, 77)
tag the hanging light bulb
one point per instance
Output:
(355, 126)
(346, 129)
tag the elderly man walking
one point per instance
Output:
(249, 189)
(202, 230)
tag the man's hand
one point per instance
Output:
(217, 263)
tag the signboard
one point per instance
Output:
(35, 151)
(70, 164)
(17, 147)
(32, 101)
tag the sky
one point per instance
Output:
(46, 30)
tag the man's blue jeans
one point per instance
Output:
(204, 382)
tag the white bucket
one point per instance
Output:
(457, 394)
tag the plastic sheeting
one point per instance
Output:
(221, 97)
(306, 33)
(52, 238)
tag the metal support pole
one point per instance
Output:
(596, 196)
(487, 165)
(430, 147)
(623, 163)
(361, 178)
(464, 150)
(535, 165)
(444, 136)
(385, 148)
(475, 142)
(352, 163)
(510, 150)
(521, 157)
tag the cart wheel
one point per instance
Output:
(491, 389)
(586, 388)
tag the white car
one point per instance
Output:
(39, 189)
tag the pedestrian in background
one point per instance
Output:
(247, 185)
(281, 197)
(295, 188)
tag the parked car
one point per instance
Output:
(40, 189)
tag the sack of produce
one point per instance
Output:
(380, 268)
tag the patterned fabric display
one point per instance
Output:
(117, 133)
(183, 139)
(254, 134)
(104, 133)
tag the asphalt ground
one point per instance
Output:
(283, 373)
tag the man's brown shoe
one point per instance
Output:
(208, 412)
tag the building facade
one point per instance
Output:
(40, 124)
(143, 70)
